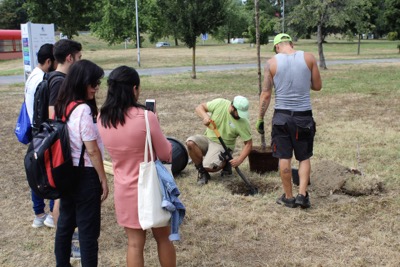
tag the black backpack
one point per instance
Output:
(48, 162)
(41, 100)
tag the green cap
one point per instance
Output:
(242, 106)
(282, 37)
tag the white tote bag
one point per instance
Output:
(151, 214)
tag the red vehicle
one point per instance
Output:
(10, 44)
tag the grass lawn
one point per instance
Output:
(354, 219)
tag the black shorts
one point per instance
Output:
(292, 133)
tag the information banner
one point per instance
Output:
(33, 37)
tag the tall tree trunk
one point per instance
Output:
(176, 41)
(359, 44)
(194, 62)
(320, 40)
(257, 17)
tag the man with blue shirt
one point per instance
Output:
(232, 120)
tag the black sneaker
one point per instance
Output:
(202, 178)
(227, 170)
(303, 201)
(288, 202)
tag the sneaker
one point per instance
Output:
(288, 202)
(75, 251)
(303, 201)
(227, 170)
(39, 221)
(49, 222)
(203, 178)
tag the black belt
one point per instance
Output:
(294, 113)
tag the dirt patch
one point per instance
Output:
(329, 178)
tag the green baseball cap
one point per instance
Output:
(282, 37)
(242, 106)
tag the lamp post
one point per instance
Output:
(137, 33)
(283, 16)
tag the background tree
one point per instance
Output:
(69, 16)
(163, 22)
(195, 17)
(12, 14)
(321, 16)
(392, 15)
(236, 22)
(360, 23)
(118, 20)
(269, 21)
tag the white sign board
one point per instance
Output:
(33, 37)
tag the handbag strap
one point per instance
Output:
(148, 144)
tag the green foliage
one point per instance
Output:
(69, 16)
(197, 17)
(118, 20)
(269, 21)
(12, 14)
(236, 22)
(392, 15)
(392, 36)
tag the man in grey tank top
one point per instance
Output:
(292, 73)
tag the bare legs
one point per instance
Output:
(285, 170)
(136, 241)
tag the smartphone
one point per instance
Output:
(151, 105)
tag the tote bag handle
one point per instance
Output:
(148, 144)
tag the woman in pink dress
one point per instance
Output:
(123, 131)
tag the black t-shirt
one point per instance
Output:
(54, 86)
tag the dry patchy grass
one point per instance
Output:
(356, 129)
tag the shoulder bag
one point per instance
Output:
(151, 214)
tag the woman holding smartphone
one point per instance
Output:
(123, 131)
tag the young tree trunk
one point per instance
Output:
(257, 17)
(176, 41)
(359, 44)
(320, 41)
(193, 62)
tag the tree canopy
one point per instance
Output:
(69, 16)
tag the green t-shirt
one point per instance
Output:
(228, 127)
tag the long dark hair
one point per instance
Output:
(120, 96)
(74, 88)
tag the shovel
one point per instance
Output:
(228, 157)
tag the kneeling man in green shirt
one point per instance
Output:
(232, 120)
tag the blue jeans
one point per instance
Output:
(39, 205)
(80, 208)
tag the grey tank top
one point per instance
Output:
(292, 82)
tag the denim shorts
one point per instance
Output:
(292, 133)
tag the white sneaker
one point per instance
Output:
(49, 221)
(39, 221)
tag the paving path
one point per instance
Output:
(188, 69)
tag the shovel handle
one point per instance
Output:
(213, 127)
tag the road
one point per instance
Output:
(173, 70)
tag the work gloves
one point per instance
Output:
(260, 126)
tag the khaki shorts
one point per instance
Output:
(210, 149)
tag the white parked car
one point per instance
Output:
(237, 41)
(161, 44)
